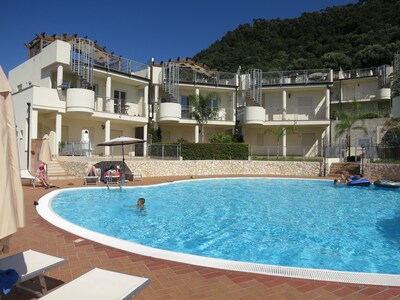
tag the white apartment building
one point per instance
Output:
(173, 82)
(79, 94)
(73, 90)
(369, 87)
(274, 102)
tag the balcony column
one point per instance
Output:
(60, 79)
(284, 143)
(146, 101)
(284, 95)
(34, 124)
(327, 102)
(109, 102)
(197, 92)
(325, 139)
(196, 134)
(145, 128)
(58, 132)
(107, 131)
(156, 94)
(155, 102)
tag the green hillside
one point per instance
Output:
(365, 34)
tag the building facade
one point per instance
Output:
(80, 95)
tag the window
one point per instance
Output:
(184, 107)
(119, 101)
(213, 104)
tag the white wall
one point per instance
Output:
(34, 72)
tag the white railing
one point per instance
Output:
(220, 113)
(117, 106)
(302, 113)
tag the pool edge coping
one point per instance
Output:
(45, 211)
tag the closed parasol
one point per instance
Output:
(12, 214)
(45, 152)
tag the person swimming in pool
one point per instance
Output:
(140, 203)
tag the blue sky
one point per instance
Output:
(139, 30)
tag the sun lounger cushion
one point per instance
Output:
(100, 284)
(8, 278)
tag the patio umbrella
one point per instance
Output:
(12, 214)
(121, 141)
(45, 152)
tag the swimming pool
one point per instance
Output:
(263, 221)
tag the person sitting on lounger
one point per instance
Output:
(91, 171)
(41, 176)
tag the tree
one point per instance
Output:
(391, 130)
(203, 110)
(346, 124)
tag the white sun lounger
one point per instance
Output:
(25, 174)
(30, 264)
(92, 179)
(100, 284)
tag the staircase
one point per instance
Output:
(254, 85)
(82, 61)
(55, 171)
(170, 79)
(337, 168)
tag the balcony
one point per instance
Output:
(128, 107)
(119, 64)
(383, 94)
(169, 112)
(254, 115)
(306, 113)
(302, 113)
(358, 73)
(302, 77)
(219, 113)
(187, 75)
(80, 100)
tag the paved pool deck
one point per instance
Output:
(170, 280)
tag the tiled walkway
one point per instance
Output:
(170, 280)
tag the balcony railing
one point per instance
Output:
(214, 78)
(302, 113)
(117, 106)
(220, 113)
(301, 77)
(365, 72)
(123, 65)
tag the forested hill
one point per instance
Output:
(365, 34)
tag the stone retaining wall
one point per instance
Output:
(76, 166)
(383, 171)
(156, 168)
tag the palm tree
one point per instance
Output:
(202, 109)
(278, 132)
(346, 125)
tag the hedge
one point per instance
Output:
(232, 151)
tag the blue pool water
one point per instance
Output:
(287, 222)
